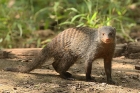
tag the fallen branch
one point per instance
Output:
(19, 53)
(130, 50)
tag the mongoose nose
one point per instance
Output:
(108, 40)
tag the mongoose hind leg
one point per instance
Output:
(61, 65)
(58, 66)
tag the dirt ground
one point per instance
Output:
(46, 80)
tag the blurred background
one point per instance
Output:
(33, 23)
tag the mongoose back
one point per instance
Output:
(72, 44)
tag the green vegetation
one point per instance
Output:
(19, 19)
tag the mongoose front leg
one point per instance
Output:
(107, 66)
(88, 70)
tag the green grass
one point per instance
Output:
(19, 20)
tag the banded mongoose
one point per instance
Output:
(74, 43)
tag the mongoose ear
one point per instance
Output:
(114, 29)
(100, 27)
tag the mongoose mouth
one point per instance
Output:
(107, 41)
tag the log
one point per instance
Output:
(133, 47)
(119, 50)
(29, 53)
(19, 53)
(130, 50)
(134, 55)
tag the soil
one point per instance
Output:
(46, 80)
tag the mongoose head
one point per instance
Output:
(107, 34)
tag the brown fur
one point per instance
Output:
(75, 43)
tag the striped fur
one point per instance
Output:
(75, 43)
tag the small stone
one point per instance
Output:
(103, 84)
(73, 87)
(6, 91)
(123, 81)
(15, 88)
(135, 77)
(137, 67)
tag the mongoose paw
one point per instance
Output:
(66, 75)
(111, 82)
(90, 79)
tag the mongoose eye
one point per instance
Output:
(103, 34)
(110, 34)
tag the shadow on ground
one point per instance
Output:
(45, 79)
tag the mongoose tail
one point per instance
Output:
(36, 62)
